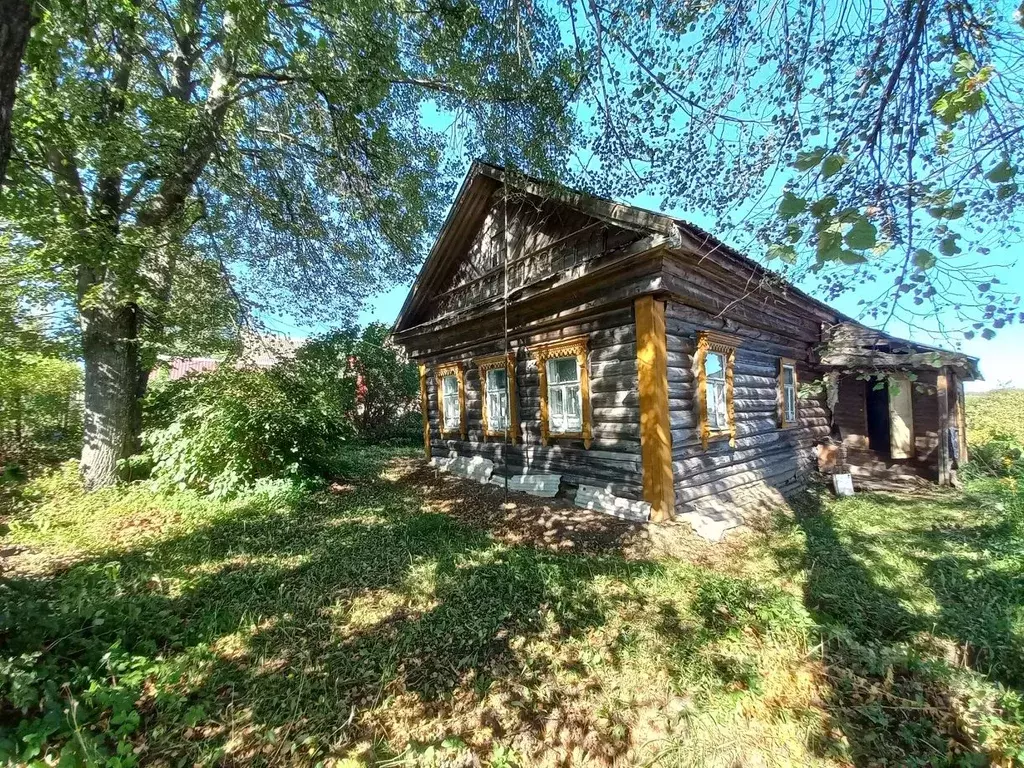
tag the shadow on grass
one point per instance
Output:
(909, 592)
(282, 624)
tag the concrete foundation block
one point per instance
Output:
(600, 500)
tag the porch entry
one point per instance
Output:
(890, 417)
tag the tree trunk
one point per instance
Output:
(16, 20)
(110, 347)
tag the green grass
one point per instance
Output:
(359, 625)
(999, 412)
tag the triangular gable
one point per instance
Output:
(464, 265)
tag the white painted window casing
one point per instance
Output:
(497, 400)
(450, 398)
(565, 402)
(714, 379)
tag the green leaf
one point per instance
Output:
(862, 235)
(1002, 172)
(948, 246)
(824, 206)
(832, 165)
(786, 253)
(791, 206)
(924, 259)
(1003, 191)
(849, 257)
(830, 243)
(807, 160)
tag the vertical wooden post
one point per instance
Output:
(655, 430)
(942, 393)
(423, 407)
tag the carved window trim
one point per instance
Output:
(784, 420)
(490, 363)
(725, 345)
(571, 347)
(451, 369)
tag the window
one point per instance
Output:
(565, 406)
(451, 399)
(713, 365)
(787, 392)
(497, 400)
(564, 390)
(450, 408)
(714, 374)
(498, 396)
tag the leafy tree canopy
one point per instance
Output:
(875, 147)
(181, 162)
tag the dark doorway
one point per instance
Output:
(878, 418)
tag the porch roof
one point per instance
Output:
(854, 346)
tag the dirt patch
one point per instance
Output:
(557, 525)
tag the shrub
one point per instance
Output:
(221, 431)
(999, 412)
(1000, 456)
(40, 410)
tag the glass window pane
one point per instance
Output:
(788, 375)
(714, 366)
(557, 404)
(451, 385)
(720, 404)
(497, 378)
(562, 370)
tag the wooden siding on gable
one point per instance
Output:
(543, 239)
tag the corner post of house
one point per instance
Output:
(423, 408)
(942, 393)
(655, 429)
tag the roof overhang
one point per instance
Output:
(855, 347)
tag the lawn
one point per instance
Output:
(396, 619)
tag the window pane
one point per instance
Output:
(717, 414)
(451, 411)
(450, 385)
(497, 411)
(790, 403)
(714, 366)
(497, 379)
(788, 375)
(562, 370)
(573, 414)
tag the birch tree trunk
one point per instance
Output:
(16, 21)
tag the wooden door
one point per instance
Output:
(901, 418)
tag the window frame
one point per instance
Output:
(784, 419)
(725, 345)
(571, 347)
(440, 373)
(564, 387)
(490, 363)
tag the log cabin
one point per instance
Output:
(628, 360)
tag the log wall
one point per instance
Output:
(766, 458)
(613, 460)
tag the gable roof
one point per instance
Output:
(471, 205)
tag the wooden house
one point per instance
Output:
(632, 362)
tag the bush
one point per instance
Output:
(999, 412)
(222, 431)
(40, 411)
(1000, 456)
